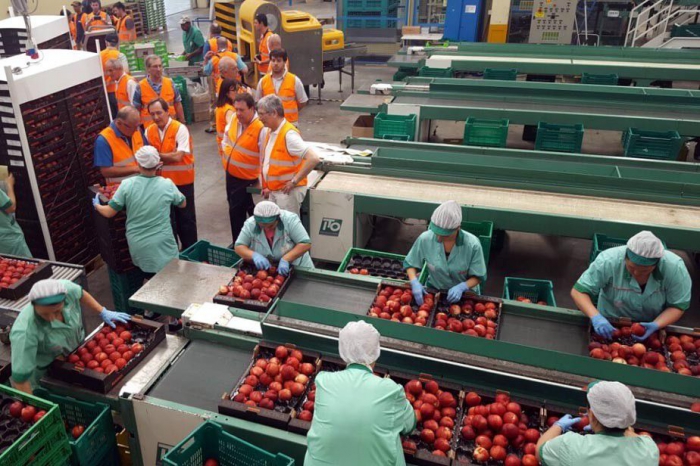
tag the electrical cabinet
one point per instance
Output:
(552, 21)
(463, 20)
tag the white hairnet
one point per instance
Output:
(613, 404)
(266, 209)
(148, 157)
(647, 245)
(44, 289)
(448, 216)
(359, 343)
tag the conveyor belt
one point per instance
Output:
(545, 334)
(614, 210)
(563, 61)
(202, 373)
(329, 295)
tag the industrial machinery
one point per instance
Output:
(552, 21)
(53, 110)
(48, 32)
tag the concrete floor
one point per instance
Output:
(561, 260)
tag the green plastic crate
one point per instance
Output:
(204, 251)
(181, 84)
(123, 286)
(483, 231)
(404, 72)
(601, 79)
(657, 145)
(559, 138)
(490, 133)
(508, 74)
(427, 72)
(210, 440)
(98, 444)
(534, 290)
(395, 125)
(43, 444)
(379, 254)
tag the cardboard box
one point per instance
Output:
(363, 127)
(201, 107)
(204, 97)
(201, 116)
(410, 30)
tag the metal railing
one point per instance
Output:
(651, 18)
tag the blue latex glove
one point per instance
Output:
(260, 261)
(455, 293)
(588, 429)
(602, 327)
(109, 317)
(283, 267)
(566, 422)
(650, 327)
(96, 200)
(418, 291)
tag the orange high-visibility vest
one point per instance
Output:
(91, 20)
(242, 160)
(167, 92)
(125, 35)
(181, 173)
(264, 52)
(213, 47)
(108, 54)
(122, 153)
(287, 94)
(217, 58)
(220, 117)
(73, 30)
(283, 167)
(122, 91)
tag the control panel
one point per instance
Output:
(552, 21)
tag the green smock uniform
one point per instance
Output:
(289, 233)
(147, 200)
(191, 41)
(37, 342)
(572, 449)
(11, 236)
(619, 294)
(358, 418)
(466, 259)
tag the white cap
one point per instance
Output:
(613, 404)
(47, 292)
(359, 343)
(185, 19)
(446, 218)
(148, 157)
(647, 245)
(266, 209)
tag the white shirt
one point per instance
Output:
(277, 82)
(228, 142)
(295, 145)
(182, 138)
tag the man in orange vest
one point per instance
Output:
(241, 160)
(124, 23)
(286, 158)
(262, 59)
(285, 85)
(97, 19)
(125, 85)
(111, 52)
(228, 69)
(211, 69)
(275, 43)
(156, 85)
(77, 20)
(116, 145)
(174, 143)
(215, 33)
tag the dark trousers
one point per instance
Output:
(240, 203)
(184, 221)
(112, 99)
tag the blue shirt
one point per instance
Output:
(102, 154)
(209, 67)
(156, 88)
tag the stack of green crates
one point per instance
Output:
(490, 133)
(137, 64)
(153, 12)
(181, 84)
(130, 54)
(559, 138)
(362, 13)
(123, 286)
(656, 145)
(204, 251)
(510, 74)
(428, 72)
(534, 290)
(602, 79)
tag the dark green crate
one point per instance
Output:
(507, 74)
(490, 133)
(371, 23)
(483, 231)
(559, 138)
(534, 290)
(657, 145)
(427, 72)
(379, 254)
(601, 79)
(97, 445)
(349, 5)
(209, 440)
(396, 137)
(204, 251)
(395, 125)
(124, 285)
(404, 72)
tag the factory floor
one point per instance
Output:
(559, 259)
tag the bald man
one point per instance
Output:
(215, 33)
(228, 69)
(116, 145)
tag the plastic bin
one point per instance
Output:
(559, 138)
(403, 73)
(508, 74)
(123, 286)
(428, 72)
(602, 79)
(602, 242)
(490, 133)
(97, 445)
(209, 440)
(483, 231)
(658, 145)
(204, 251)
(395, 125)
(534, 290)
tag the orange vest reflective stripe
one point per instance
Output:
(214, 48)
(122, 153)
(217, 58)
(180, 173)
(242, 160)
(283, 166)
(91, 20)
(220, 116)
(167, 92)
(108, 54)
(264, 52)
(287, 94)
(125, 35)
(122, 91)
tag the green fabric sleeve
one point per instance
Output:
(297, 232)
(679, 286)
(415, 256)
(477, 266)
(246, 233)
(25, 345)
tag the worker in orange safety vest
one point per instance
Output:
(116, 145)
(287, 86)
(124, 23)
(125, 85)
(262, 59)
(156, 85)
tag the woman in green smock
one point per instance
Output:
(11, 236)
(147, 199)
(51, 325)
(454, 257)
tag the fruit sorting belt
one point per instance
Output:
(60, 272)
